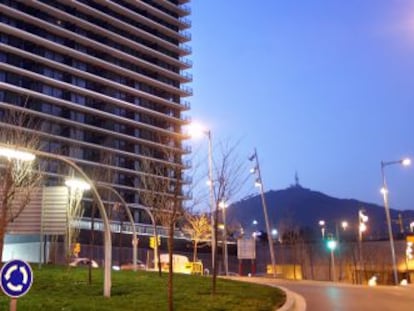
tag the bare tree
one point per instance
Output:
(18, 178)
(161, 190)
(229, 175)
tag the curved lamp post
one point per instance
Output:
(384, 191)
(131, 219)
(24, 153)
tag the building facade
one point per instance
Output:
(105, 83)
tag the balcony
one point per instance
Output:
(185, 47)
(187, 164)
(185, 9)
(185, 103)
(187, 179)
(186, 61)
(186, 119)
(186, 89)
(188, 76)
(185, 21)
(185, 34)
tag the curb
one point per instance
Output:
(294, 301)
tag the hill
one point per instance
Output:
(301, 208)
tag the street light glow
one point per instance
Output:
(196, 130)
(321, 222)
(362, 227)
(77, 184)
(257, 183)
(344, 225)
(10, 153)
(223, 204)
(406, 162)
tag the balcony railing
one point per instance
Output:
(185, 21)
(185, 103)
(186, 75)
(185, 34)
(186, 89)
(185, 47)
(187, 149)
(186, 61)
(185, 8)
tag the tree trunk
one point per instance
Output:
(170, 266)
(2, 233)
(215, 253)
(3, 222)
(91, 243)
(195, 251)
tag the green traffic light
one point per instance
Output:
(331, 244)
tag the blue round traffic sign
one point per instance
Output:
(16, 278)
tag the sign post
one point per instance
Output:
(16, 280)
(246, 249)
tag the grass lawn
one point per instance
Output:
(58, 288)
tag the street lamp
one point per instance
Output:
(322, 225)
(131, 219)
(26, 155)
(196, 129)
(384, 191)
(16, 154)
(332, 245)
(259, 184)
(362, 227)
(223, 205)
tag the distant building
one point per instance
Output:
(106, 79)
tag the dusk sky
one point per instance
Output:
(324, 88)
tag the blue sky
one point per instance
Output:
(324, 88)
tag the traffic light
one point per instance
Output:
(331, 244)
(152, 241)
(409, 251)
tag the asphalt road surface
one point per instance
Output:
(327, 296)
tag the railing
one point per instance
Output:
(187, 149)
(185, 8)
(185, 103)
(187, 164)
(185, 47)
(186, 118)
(185, 21)
(186, 89)
(186, 75)
(186, 61)
(126, 228)
(185, 34)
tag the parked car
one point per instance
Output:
(77, 262)
(130, 266)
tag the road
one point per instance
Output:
(327, 296)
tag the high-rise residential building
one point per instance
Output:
(106, 79)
